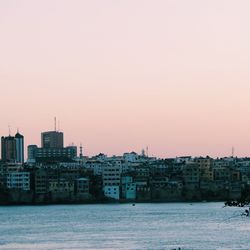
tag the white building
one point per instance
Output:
(19, 180)
(96, 166)
(131, 157)
(111, 178)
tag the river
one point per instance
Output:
(124, 226)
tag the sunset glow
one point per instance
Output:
(124, 75)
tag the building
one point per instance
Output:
(19, 147)
(128, 188)
(44, 155)
(18, 180)
(52, 139)
(12, 148)
(96, 166)
(32, 151)
(8, 149)
(41, 181)
(111, 178)
(82, 185)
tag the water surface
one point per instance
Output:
(123, 226)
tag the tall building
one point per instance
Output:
(8, 149)
(19, 148)
(52, 139)
(12, 148)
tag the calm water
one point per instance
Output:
(114, 226)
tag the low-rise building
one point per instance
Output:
(18, 180)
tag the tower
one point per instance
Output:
(8, 149)
(81, 155)
(19, 139)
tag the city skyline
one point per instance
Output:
(121, 76)
(54, 139)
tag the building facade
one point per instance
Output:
(12, 148)
(52, 139)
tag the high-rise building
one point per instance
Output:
(19, 148)
(8, 149)
(52, 139)
(12, 148)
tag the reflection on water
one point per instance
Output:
(115, 226)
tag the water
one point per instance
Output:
(123, 226)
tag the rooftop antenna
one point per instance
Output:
(9, 130)
(147, 151)
(55, 123)
(233, 152)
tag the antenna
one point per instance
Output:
(9, 130)
(147, 151)
(233, 152)
(55, 123)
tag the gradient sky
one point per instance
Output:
(121, 75)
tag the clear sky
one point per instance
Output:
(121, 75)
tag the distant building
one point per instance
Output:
(51, 150)
(111, 178)
(32, 151)
(19, 147)
(82, 185)
(131, 157)
(56, 154)
(8, 149)
(18, 180)
(52, 139)
(128, 188)
(12, 148)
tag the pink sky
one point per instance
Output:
(121, 75)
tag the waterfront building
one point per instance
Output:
(41, 181)
(82, 185)
(111, 178)
(18, 180)
(128, 188)
(61, 190)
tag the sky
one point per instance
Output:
(172, 75)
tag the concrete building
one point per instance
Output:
(41, 181)
(43, 155)
(12, 148)
(52, 139)
(131, 157)
(128, 188)
(19, 139)
(8, 149)
(18, 180)
(111, 178)
(96, 166)
(82, 185)
(32, 151)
